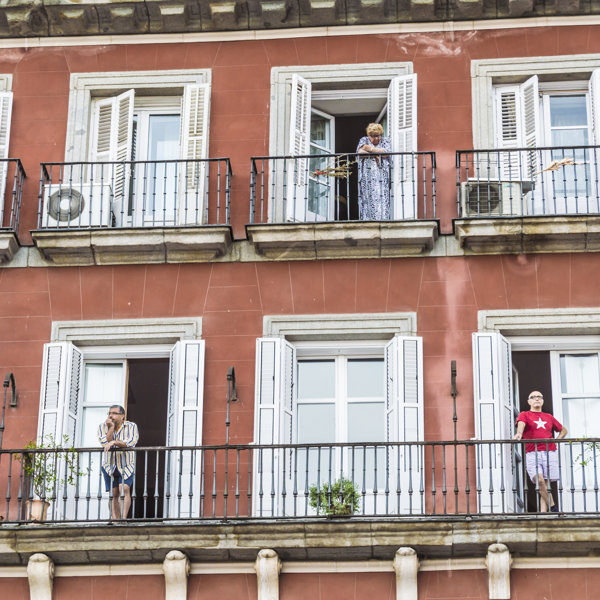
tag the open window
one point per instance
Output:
(566, 370)
(156, 133)
(344, 400)
(161, 388)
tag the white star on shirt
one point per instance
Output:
(540, 424)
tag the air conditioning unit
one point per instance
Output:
(76, 205)
(483, 198)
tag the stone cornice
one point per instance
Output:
(59, 18)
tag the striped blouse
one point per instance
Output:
(122, 459)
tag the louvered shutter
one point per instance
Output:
(113, 142)
(494, 420)
(594, 92)
(6, 99)
(192, 204)
(517, 126)
(184, 428)
(274, 423)
(299, 144)
(402, 127)
(404, 423)
(60, 393)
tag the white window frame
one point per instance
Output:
(85, 86)
(487, 73)
(76, 342)
(372, 75)
(284, 337)
(553, 330)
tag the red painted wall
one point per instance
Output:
(239, 125)
(337, 586)
(125, 587)
(232, 299)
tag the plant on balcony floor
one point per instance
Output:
(340, 498)
(47, 472)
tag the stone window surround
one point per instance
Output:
(541, 322)
(84, 85)
(331, 327)
(6, 82)
(486, 73)
(113, 332)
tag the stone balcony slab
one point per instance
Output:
(571, 233)
(8, 246)
(306, 241)
(133, 246)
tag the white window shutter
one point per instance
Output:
(530, 99)
(494, 420)
(193, 188)
(184, 428)
(299, 144)
(113, 141)
(508, 120)
(402, 127)
(6, 99)
(404, 422)
(274, 423)
(594, 93)
(60, 393)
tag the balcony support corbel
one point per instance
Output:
(498, 563)
(267, 568)
(40, 573)
(406, 566)
(176, 568)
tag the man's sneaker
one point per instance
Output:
(554, 508)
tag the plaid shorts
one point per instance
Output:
(547, 464)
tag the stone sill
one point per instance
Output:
(322, 539)
(133, 246)
(8, 246)
(576, 233)
(306, 241)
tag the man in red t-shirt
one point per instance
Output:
(542, 462)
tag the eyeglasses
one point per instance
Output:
(114, 412)
(536, 396)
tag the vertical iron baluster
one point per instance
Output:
(214, 483)
(433, 490)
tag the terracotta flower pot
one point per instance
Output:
(36, 510)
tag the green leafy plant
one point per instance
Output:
(49, 471)
(340, 498)
(589, 453)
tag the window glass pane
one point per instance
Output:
(366, 422)
(365, 378)
(316, 423)
(316, 379)
(579, 373)
(92, 417)
(581, 417)
(103, 384)
(163, 137)
(568, 110)
(319, 131)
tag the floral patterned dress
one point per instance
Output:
(374, 182)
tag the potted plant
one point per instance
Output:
(47, 472)
(337, 499)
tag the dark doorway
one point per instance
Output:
(147, 397)
(533, 371)
(348, 131)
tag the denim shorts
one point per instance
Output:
(116, 478)
(547, 464)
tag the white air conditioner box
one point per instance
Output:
(76, 205)
(483, 198)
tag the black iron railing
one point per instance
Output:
(334, 187)
(522, 182)
(12, 175)
(425, 479)
(167, 193)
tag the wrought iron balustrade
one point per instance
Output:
(166, 193)
(12, 176)
(522, 182)
(325, 187)
(392, 480)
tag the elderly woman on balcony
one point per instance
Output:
(374, 175)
